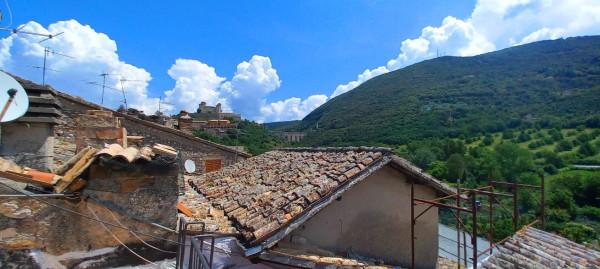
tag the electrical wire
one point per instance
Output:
(10, 15)
(240, 254)
(136, 236)
(121, 242)
(86, 216)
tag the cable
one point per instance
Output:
(240, 254)
(9, 14)
(86, 216)
(139, 238)
(118, 240)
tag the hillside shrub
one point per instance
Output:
(586, 149)
(563, 145)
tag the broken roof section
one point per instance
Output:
(533, 248)
(281, 188)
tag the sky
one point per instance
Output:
(269, 60)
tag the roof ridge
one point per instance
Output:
(82, 101)
(338, 149)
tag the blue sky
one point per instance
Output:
(270, 60)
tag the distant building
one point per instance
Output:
(210, 119)
(206, 113)
(291, 136)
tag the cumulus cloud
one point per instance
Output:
(194, 81)
(245, 93)
(362, 77)
(92, 53)
(291, 108)
(494, 25)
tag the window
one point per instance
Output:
(212, 165)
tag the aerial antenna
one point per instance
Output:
(123, 90)
(48, 51)
(161, 102)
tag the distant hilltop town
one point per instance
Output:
(210, 119)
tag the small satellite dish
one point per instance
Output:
(13, 98)
(189, 166)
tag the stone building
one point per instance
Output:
(314, 207)
(199, 150)
(47, 135)
(29, 140)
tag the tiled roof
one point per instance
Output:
(534, 248)
(265, 193)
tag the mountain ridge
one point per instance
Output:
(545, 83)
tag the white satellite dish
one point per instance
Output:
(13, 99)
(189, 166)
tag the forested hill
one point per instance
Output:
(543, 83)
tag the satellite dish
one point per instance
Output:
(189, 166)
(13, 98)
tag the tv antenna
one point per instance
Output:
(122, 80)
(48, 51)
(19, 30)
(103, 85)
(161, 102)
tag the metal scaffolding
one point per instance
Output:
(470, 198)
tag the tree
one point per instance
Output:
(438, 169)
(523, 137)
(456, 166)
(563, 145)
(512, 160)
(586, 149)
(487, 140)
(507, 135)
(422, 157)
(578, 232)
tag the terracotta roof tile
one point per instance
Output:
(533, 248)
(265, 192)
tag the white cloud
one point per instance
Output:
(364, 76)
(495, 25)
(194, 81)
(245, 93)
(291, 108)
(93, 53)
(252, 82)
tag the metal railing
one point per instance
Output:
(197, 252)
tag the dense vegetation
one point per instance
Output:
(547, 83)
(522, 156)
(251, 135)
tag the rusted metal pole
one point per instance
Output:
(442, 205)
(543, 203)
(474, 234)
(515, 208)
(491, 221)
(412, 224)
(457, 222)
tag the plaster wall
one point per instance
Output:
(373, 219)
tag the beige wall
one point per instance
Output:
(373, 219)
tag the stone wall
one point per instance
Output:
(28, 144)
(190, 147)
(131, 188)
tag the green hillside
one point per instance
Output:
(542, 84)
